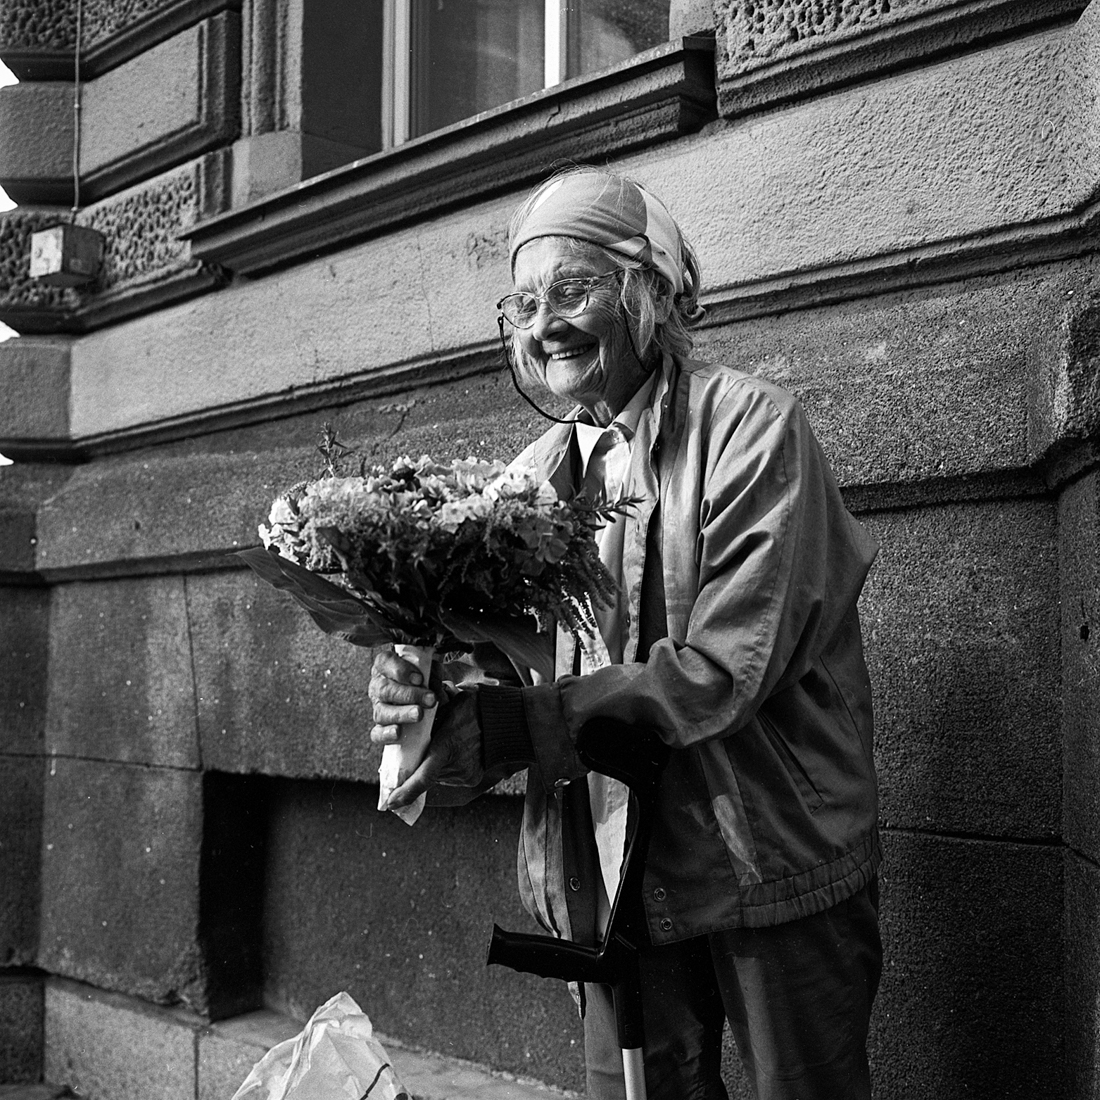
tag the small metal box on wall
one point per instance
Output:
(66, 255)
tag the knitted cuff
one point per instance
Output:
(505, 736)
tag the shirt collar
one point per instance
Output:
(625, 424)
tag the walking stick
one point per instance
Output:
(635, 756)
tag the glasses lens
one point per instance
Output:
(568, 297)
(520, 309)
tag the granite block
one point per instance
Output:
(24, 643)
(121, 686)
(960, 622)
(972, 1000)
(120, 879)
(22, 780)
(1082, 969)
(22, 1008)
(355, 900)
(275, 694)
(107, 1047)
(1079, 539)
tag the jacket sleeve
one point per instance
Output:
(775, 566)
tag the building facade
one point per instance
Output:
(304, 205)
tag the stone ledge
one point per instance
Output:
(791, 49)
(661, 94)
(227, 1046)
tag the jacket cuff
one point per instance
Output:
(505, 735)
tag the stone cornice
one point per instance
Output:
(753, 75)
(661, 94)
(1011, 248)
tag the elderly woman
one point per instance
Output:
(735, 637)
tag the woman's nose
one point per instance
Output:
(546, 323)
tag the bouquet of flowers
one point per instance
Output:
(436, 556)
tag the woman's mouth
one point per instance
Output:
(571, 353)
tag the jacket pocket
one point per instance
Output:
(793, 766)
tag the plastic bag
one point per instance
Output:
(335, 1057)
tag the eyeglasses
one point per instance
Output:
(566, 298)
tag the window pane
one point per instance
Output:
(470, 55)
(606, 32)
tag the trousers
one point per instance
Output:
(797, 997)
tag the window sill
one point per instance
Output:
(661, 94)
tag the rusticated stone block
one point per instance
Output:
(941, 382)
(24, 640)
(35, 377)
(1066, 373)
(767, 48)
(122, 688)
(21, 795)
(21, 1017)
(960, 618)
(1082, 1011)
(144, 260)
(275, 694)
(114, 1047)
(407, 915)
(120, 879)
(1079, 544)
(972, 995)
(36, 142)
(176, 100)
(37, 24)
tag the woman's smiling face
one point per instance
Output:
(586, 358)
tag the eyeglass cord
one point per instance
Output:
(505, 345)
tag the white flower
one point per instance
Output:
(281, 512)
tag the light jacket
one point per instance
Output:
(741, 571)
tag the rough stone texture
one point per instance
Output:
(24, 639)
(23, 487)
(17, 290)
(755, 32)
(177, 99)
(40, 24)
(275, 695)
(972, 996)
(933, 383)
(1079, 537)
(1067, 378)
(407, 913)
(21, 1017)
(122, 688)
(111, 1048)
(36, 141)
(961, 627)
(1082, 1012)
(34, 373)
(51, 24)
(21, 793)
(690, 17)
(142, 253)
(120, 879)
(205, 499)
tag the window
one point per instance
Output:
(447, 60)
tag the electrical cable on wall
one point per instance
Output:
(68, 254)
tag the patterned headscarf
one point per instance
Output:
(608, 211)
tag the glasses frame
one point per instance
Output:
(588, 282)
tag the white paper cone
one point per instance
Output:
(401, 760)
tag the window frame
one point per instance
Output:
(659, 95)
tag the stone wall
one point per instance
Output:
(895, 207)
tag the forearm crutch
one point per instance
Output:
(635, 756)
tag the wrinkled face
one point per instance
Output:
(586, 358)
